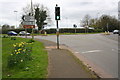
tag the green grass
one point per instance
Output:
(37, 66)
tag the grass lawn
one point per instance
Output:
(37, 68)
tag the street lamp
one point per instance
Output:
(16, 17)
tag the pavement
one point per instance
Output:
(62, 64)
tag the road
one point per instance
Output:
(101, 50)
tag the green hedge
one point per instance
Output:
(50, 31)
(69, 30)
(17, 30)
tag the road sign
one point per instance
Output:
(29, 18)
(29, 21)
(29, 26)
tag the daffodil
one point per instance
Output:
(19, 49)
(24, 50)
(14, 45)
(21, 60)
(17, 52)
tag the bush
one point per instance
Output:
(20, 54)
(31, 40)
(13, 38)
(5, 36)
(68, 30)
(98, 30)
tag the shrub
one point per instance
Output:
(31, 40)
(13, 38)
(98, 30)
(20, 54)
(5, 36)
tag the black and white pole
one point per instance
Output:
(57, 34)
(57, 17)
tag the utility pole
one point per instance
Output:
(16, 18)
(32, 15)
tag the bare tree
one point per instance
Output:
(86, 21)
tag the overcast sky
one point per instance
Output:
(72, 11)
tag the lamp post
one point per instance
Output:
(16, 18)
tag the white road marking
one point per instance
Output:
(76, 52)
(113, 49)
(92, 51)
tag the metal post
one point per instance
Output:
(32, 34)
(25, 32)
(75, 29)
(57, 34)
(107, 27)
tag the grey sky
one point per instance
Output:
(72, 11)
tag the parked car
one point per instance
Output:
(12, 33)
(116, 32)
(23, 33)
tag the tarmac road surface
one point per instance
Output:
(101, 50)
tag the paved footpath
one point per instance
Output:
(62, 64)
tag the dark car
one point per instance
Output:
(23, 33)
(12, 33)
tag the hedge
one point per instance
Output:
(69, 30)
(17, 30)
(50, 31)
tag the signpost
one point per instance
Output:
(57, 17)
(29, 22)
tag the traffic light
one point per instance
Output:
(57, 13)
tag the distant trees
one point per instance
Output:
(6, 26)
(108, 22)
(104, 23)
(86, 20)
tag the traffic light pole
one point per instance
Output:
(57, 34)
(57, 17)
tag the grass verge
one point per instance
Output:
(36, 68)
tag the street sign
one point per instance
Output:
(29, 26)
(29, 18)
(29, 21)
